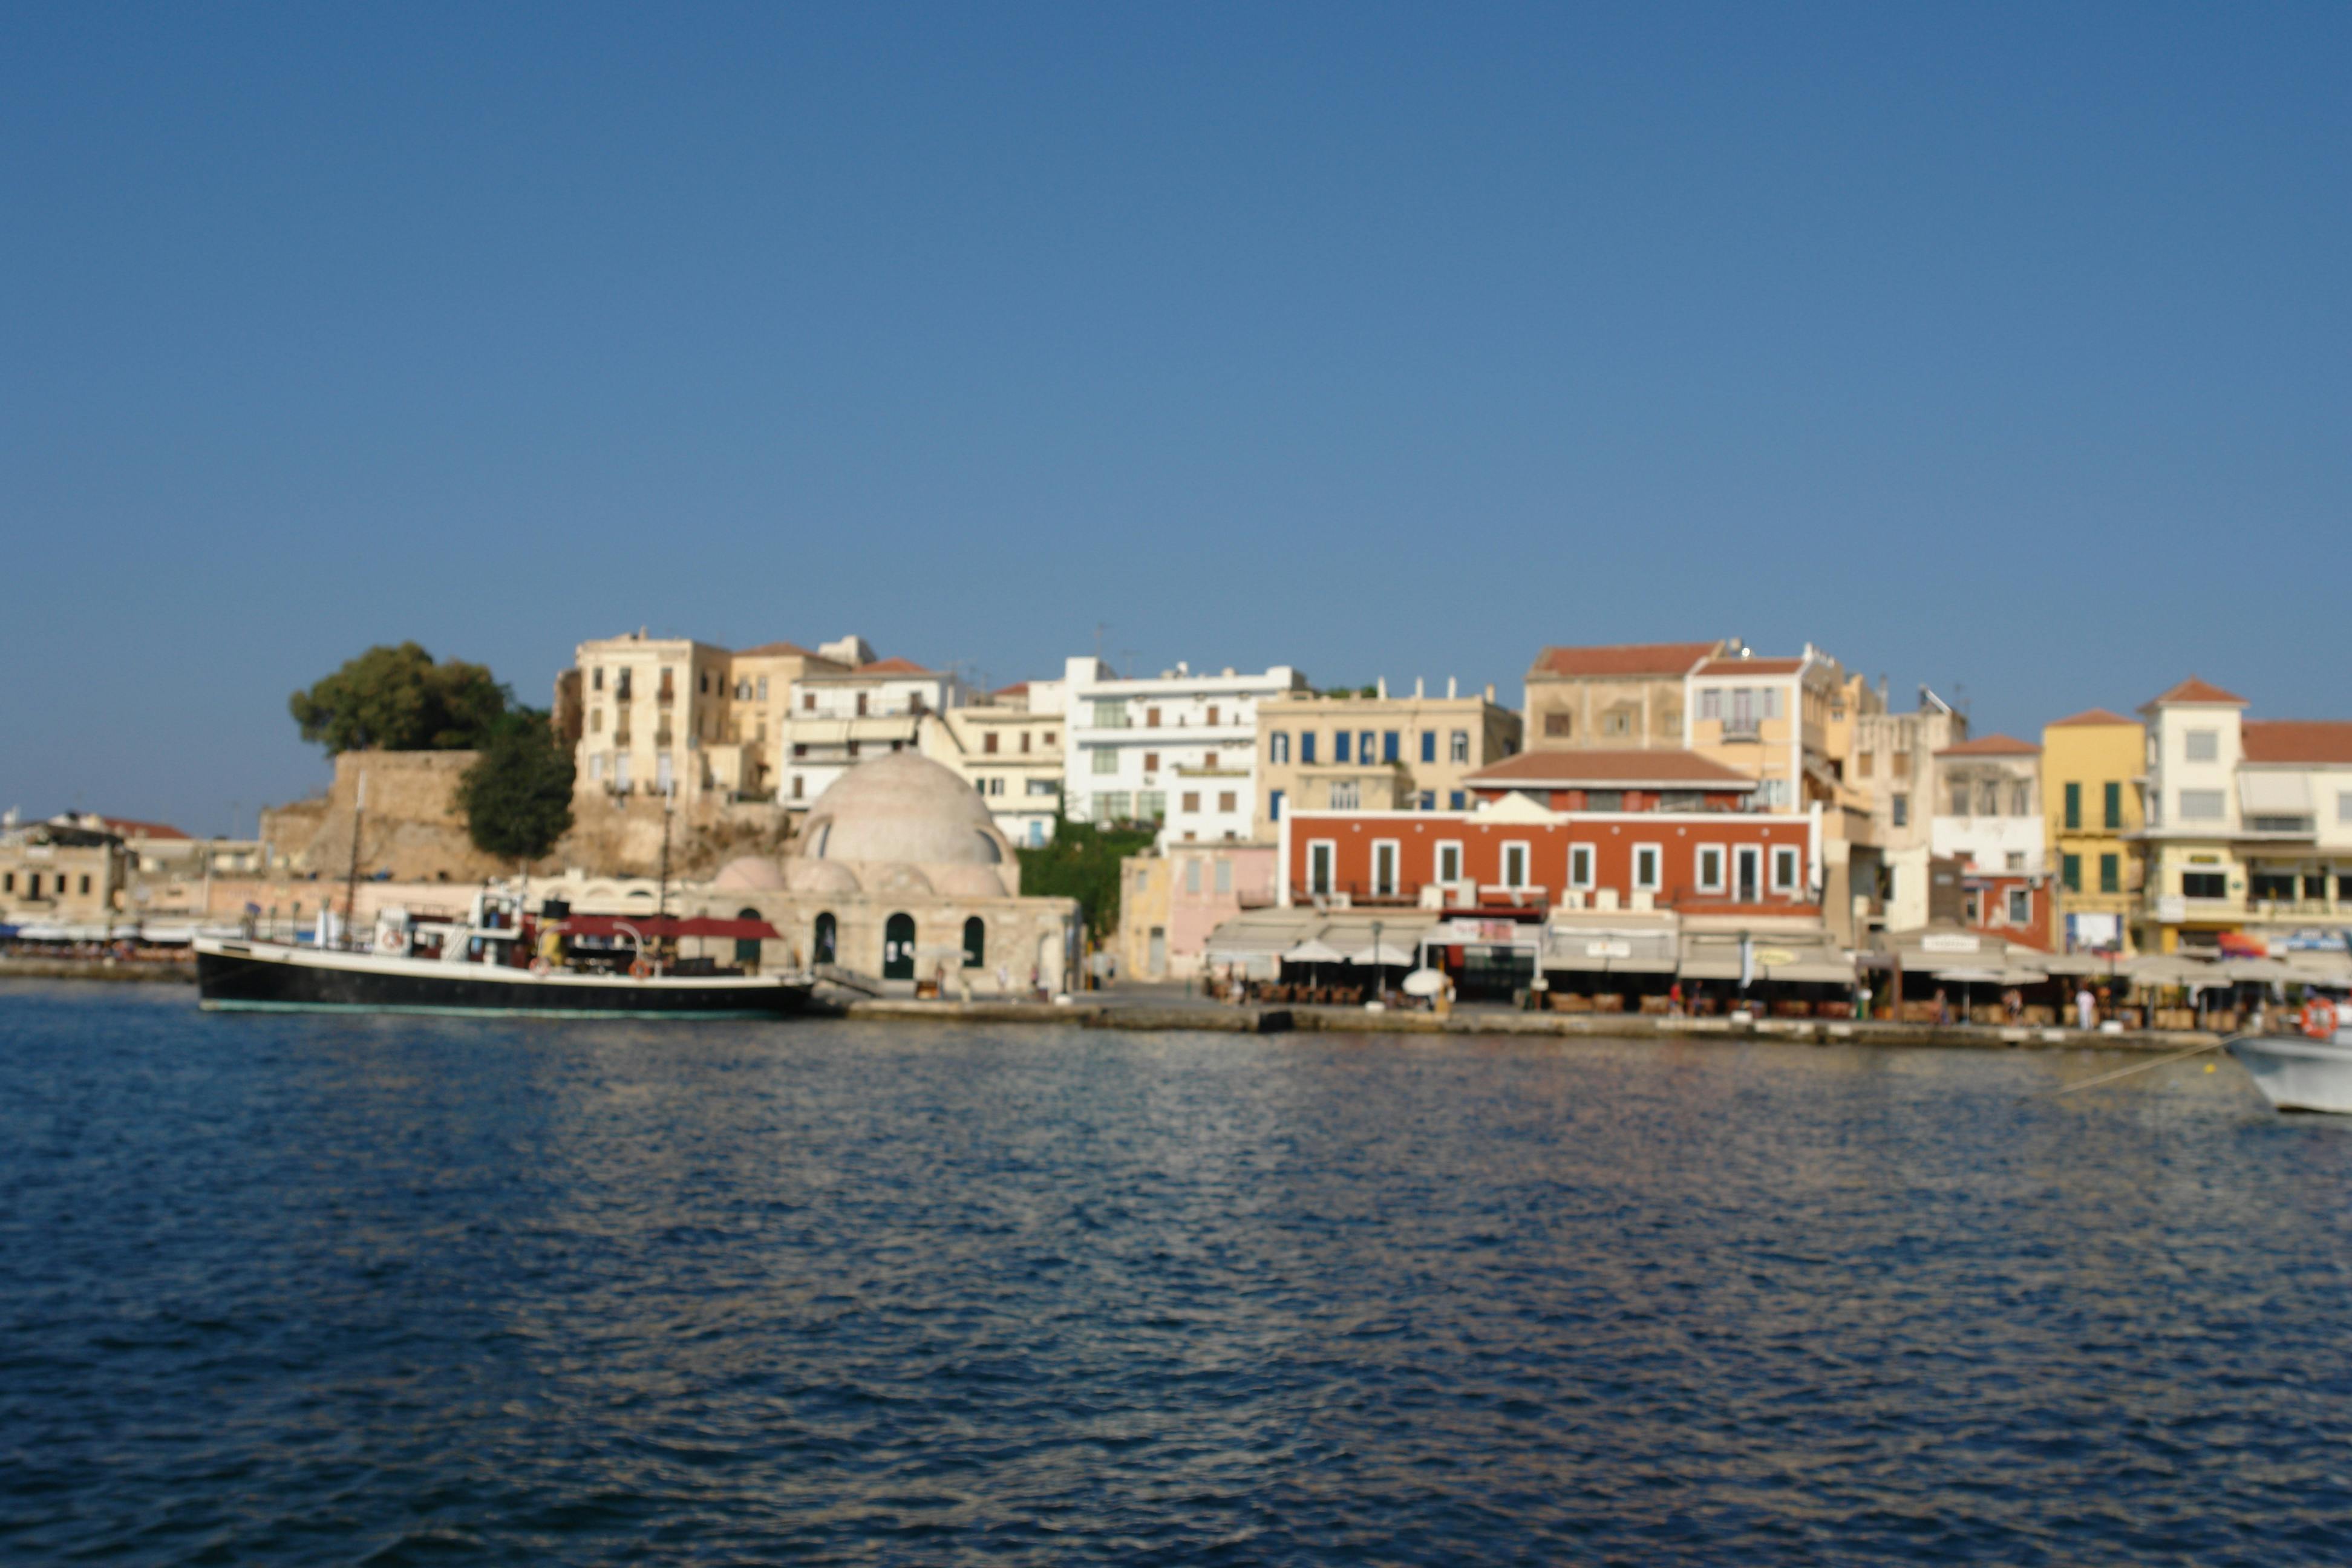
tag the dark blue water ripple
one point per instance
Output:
(390, 1291)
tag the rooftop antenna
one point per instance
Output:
(1127, 672)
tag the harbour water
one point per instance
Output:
(340, 1289)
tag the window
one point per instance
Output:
(1213, 715)
(2113, 801)
(1429, 745)
(1390, 747)
(1768, 701)
(1121, 805)
(1899, 809)
(595, 767)
(1457, 746)
(1771, 794)
(1151, 717)
(2020, 799)
(1273, 807)
(621, 772)
(1604, 800)
(1710, 868)
(1320, 856)
(1682, 800)
(1865, 764)
(663, 777)
(596, 678)
(596, 721)
(1344, 795)
(1902, 764)
(2074, 806)
(1340, 741)
(1961, 798)
(1645, 867)
(1426, 800)
(2070, 872)
(1307, 746)
(1784, 869)
(621, 686)
(1555, 724)
(1152, 804)
(1225, 879)
(2204, 885)
(1192, 803)
(1106, 760)
(1042, 786)
(2200, 806)
(1384, 867)
(796, 786)
(2344, 805)
(1150, 762)
(2315, 885)
(1449, 861)
(1192, 876)
(861, 703)
(852, 748)
(763, 688)
(995, 785)
(702, 683)
(975, 942)
(1710, 702)
(1457, 800)
(1580, 865)
(988, 743)
(2272, 885)
(7, 881)
(1515, 865)
(1616, 722)
(2201, 745)
(1364, 747)
(1278, 747)
(2014, 861)
(1227, 800)
(808, 701)
(2020, 907)
(1110, 714)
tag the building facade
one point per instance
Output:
(1178, 752)
(2195, 890)
(57, 874)
(1380, 753)
(1617, 696)
(1171, 902)
(836, 718)
(2093, 766)
(1009, 747)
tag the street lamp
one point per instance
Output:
(1379, 975)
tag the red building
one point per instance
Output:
(1652, 830)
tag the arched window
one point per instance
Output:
(898, 947)
(975, 942)
(747, 948)
(988, 848)
(1278, 747)
(819, 831)
(825, 940)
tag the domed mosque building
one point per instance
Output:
(900, 873)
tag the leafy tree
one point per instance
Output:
(398, 699)
(1082, 863)
(517, 797)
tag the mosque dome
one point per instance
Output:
(819, 877)
(749, 874)
(902, 809)
(970, 882)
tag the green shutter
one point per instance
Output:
(2115, 804)
(2110, 873)
(2071, 865)
(2074, 806)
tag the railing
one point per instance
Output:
(1743, 729)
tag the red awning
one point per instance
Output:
(673, 926)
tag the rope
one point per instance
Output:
(2134, 1067)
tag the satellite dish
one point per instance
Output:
(1424, 983)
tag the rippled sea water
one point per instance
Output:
(306, 1290)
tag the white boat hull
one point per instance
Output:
(2295, 1073)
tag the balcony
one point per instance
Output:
(1743, 730)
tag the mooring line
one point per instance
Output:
(2126, 1072)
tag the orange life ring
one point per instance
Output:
(541, 966)
(640, 970)
(387, 940)
(2319, 1018)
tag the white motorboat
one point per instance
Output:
(2307, 1071)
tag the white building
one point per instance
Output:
(1989, 815)
(837, 719)
(1178, 750)
(1008, 747)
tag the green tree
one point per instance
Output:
(1082, 863)
(398, 699)
(517, 797)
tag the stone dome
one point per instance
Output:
(819, 877)
(749, 874)
(970, 882)
(902, 809)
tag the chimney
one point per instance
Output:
(1450, 685)
(1381, 688)
(1490, 691)
(1416, 686)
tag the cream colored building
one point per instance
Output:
(2196, 885)
(1891, 766)
(1380, 753)
(1172, 900)
(1009, 749)
(655, 720)
(55, 874)
(1615, 696)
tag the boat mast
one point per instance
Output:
(661, 900)
(352, 876)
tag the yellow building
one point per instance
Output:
(2091, 764)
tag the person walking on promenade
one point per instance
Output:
(2086, 1008)
(1943, 1009)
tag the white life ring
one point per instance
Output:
(541, 966)
(387, 940)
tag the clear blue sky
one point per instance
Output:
(2004, 348)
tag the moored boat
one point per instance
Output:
(500, 960)
(2311, 1070)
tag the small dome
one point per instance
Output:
(970, 882)
(750, 874)
(904, 879)
(819, 877)
(902, 809)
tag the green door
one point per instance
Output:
(898, 948)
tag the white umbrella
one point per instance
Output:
(1314, 950)
(1386, 953)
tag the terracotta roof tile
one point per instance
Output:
(2298, 740)
(1624, 658)
(1992, 746)
(892, 666)
(2195, 691)
(1611, 769)
(1750, 667)
(2090, 716)
(130, 827)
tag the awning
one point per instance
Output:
(1261, 933)
(1387, 953)
(1615, 952)
(651, 926)
(2266, 793)
(1314, 950)
(2171, 969)
(2258, 969)
(1713, 956)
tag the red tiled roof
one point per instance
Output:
(1750, 667)
(2195, 691)
(776, 650)
(2090, 716)
(1623, 658)
(892, 666)
(129, 828)
(1610, 768)
(1992, 746)
(1016, 690)
(2298, 740)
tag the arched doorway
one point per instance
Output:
(825, 938)
(975, 942)
(747, 948)
(898, 947)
